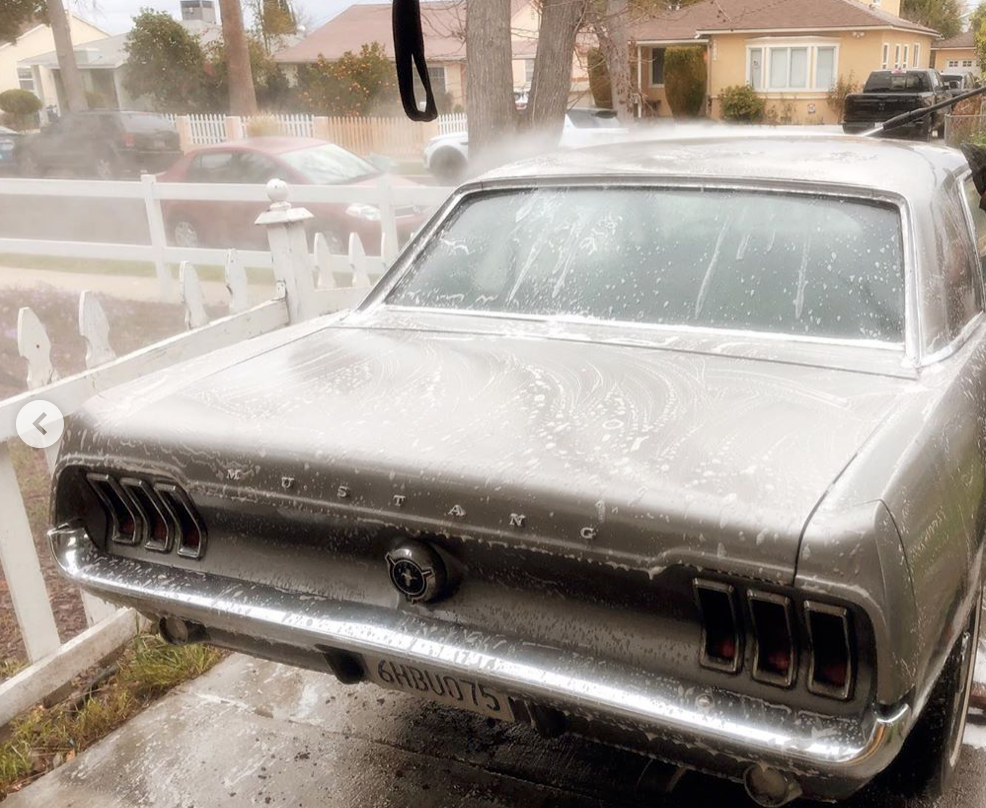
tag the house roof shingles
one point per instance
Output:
(964, 40)
(719, 16)
(442, 23)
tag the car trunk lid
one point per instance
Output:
(621, 454)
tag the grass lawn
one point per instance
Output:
(46, 738)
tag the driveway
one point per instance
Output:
(256, 733)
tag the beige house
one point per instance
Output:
(34, 41)
(443, 24)
(792, 52)
(956, 54)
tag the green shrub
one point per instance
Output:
(599, 83)
(741, 103)
(21, 106)
(19, 102)
(684, 80)
(837, 95)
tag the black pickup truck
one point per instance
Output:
(892, 92)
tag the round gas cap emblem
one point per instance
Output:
(416, 571)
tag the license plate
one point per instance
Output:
(456, 691)
(159, 144)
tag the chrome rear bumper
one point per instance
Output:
(697, 726)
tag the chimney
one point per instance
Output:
(198, 10)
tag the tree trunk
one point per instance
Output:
(75, 91)
(552, 80)
(490, 103)
(242, 96)
(615, 47)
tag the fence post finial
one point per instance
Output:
(191, 296)
(236, 283)
(94, 328)
(288, 239)
(323, 263)
(358, 263)
(34, 346)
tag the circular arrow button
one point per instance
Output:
(40, 424)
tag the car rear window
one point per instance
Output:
(816, 266)
(888, 82)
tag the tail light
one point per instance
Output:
(192, 535)
(158, 515)
(126, 524)
(829, 632)
(722, 644)
(778, 638)
(129, 140)
(775, 656)
(160, 524)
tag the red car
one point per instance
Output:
(297, 161)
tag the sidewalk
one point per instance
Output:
(255, 733)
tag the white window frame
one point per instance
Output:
(968, 63)
(23, 81)
(886, 55)
(907, 50)
(897, 56)
(953, 63)
(917, 55)
(771, 44)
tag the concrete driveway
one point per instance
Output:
(256, 733)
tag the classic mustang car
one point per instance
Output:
(674, 445)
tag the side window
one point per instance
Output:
(214, 166)
(960, 287)
(254, 168)
(978, 216)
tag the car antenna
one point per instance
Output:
(409, 54)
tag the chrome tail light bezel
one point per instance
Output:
(843, 693)
(787, 680)
(706, 659)
(99, 482)
(179, 504)
(132, 485)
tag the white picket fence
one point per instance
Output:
(293, 125)
(384, 196)
(453, 123)
(207, 129)
(395, 137)
(318, 283)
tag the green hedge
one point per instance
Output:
(599, 83)
(684, 80)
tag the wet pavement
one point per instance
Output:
(255, 733)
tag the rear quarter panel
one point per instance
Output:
(903, 526)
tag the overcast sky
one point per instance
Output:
(115, 16)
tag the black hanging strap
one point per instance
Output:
(409, 52)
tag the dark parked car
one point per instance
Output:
(892, 92)
(677, 445)
(958, 83)
(8, 150)
(105, 144)
(298, 161)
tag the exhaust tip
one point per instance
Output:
(177, 631)
(770, 787)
